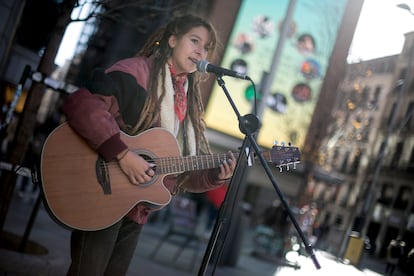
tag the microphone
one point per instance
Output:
(204, 66)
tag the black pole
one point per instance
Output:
(9, 177)
(29, 226)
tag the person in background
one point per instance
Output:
(159, 87)
(395, 251)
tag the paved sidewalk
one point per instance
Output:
(52, 243)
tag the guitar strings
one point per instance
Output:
(177, 164)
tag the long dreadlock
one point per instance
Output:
(157, 47)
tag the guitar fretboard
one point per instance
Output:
(280, 156)
(180, 164)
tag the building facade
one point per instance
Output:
(370, 151)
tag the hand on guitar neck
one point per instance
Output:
(227, 167)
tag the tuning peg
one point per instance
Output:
(290, 144)
(275, 143)
(283, 144)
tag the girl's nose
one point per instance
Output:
(201, 50)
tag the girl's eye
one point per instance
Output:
(196, 42)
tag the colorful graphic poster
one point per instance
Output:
(299, 74)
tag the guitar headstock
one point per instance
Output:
(284, 156)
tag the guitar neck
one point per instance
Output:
(179, 164)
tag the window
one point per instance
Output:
(387, 190)
(338, 220)
(397, 155)
(365, 95)
(394, 106)
(410, 167)
(343, 195)
(366, 130)
(355, 163)
(377, 93)
(403, 73)
(345, 162)
(403, 198)
(335, 158)
(409, 115)
(374, 101)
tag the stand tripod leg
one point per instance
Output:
(228, 211)
(248, 125)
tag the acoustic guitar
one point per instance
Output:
(83, 191)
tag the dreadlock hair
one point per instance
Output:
(157, 47)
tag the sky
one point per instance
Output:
(379, 32)
(380, 29)
(70, 38)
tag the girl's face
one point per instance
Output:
(189, 49)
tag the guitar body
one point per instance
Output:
(72, 175)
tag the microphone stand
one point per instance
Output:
(248, 125)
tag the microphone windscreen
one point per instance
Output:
(202, 66)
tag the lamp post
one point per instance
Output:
(405, 7)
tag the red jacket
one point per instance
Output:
(216, 196)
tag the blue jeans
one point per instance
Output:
(104, 252)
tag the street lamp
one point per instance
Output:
(405, 7)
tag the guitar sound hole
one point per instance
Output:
(149, 157)
(150, 160)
